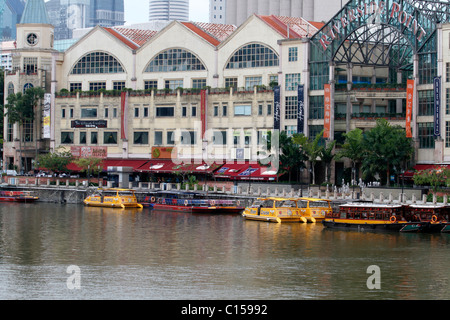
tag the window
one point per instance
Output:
(10, 88)
(75, 86)
(426, 135)
(220, 138)
(319, 72)
(447, 72)
(198, 83)
(188, 137)
(216, 111)
(94, 137)
(9, 133)
(193, 111)
(170, 138)
(316, 107)
(243, 110)
(173, 84)
(83, 137)
(140, 138)
(184, 111)
(110, 138)
(30, 65)
(447, 134)
(28, 131)
(97, 62)
(158, 138)
(269, 109)
(145, 112)
(253, 56)
(426, 103)
(260, 109)
(151, 84)
(251, 82)
(165, 111)
(224, 110)
(88, 112)
(290, 130)
(95, 86)
(67, 137)
(447, 100)
(136, 112)
(63, 113)
(106, 112)
(314, 131)
(174, 60)
(293, 54)
(118, 85)
(231, 82)
(292, 81)
(427, 67)
(291, 109)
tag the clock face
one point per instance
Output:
(32, 39)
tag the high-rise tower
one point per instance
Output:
(169, 10)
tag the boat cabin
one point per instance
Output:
(427, 213)
(367, 211)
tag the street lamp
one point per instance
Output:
(249, 177)
(403, 184)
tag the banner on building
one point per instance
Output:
(203, 114)
(124, 115)
(277, 108)
(46, 116)
(409, 106)
(437, 106)
(327, 112)
(301, 109)
(89, 152)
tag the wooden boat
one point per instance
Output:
(192, 202)
(17, 196)
(275, 210)
(370, 216)
(113, 198)
(314, 210)
(433, 217)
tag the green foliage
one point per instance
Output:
(56, 161)
(90, 165)
(312, 149)
(433, 177)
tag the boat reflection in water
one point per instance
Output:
(387, 217)
(113, 198)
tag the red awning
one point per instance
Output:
(247, 171)
(168, 166)
(135, 164)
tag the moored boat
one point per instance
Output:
(371, 216)
(433, 217)
(192, 202)
(314, 210)
(113, 198)
(275, 210)
(17, 196)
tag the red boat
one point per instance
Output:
(192, 203)
(17, 196)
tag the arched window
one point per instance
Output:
(253, 56)
(175, 60)
(10, 88)
(97, 62)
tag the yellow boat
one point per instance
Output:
(113, 198)
(314, 210)
(274, 210)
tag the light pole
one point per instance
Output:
(403, 183)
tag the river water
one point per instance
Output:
(71, 252)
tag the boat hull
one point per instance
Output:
(276, 219)
(194, 209)
(365, 226)
(114, 205)
(18, 199)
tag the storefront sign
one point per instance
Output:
(409, 106)
(277, 108)
(437, 106)
(89, 152)
(395, 15)
(301, 109)
(163, 152)
(46, 116)
(94, 124)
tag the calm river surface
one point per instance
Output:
(172, 256)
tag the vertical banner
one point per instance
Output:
(301, 109)
(327, 111)
(46, 116)
(277, 108)
(124, 115)
(409, 106)
(437, 106)
(203, 103)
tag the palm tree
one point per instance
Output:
(352, 149)
(327, 155)
(312, 149)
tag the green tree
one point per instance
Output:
(352, 149)
(386, 148)
(327, 155)
(56, 161)
(21, 109)
(312, 149)
(89, 165)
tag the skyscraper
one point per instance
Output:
(169, 10)
(67, 15)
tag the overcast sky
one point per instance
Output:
(136, 11)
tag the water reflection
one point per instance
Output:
(142, 254)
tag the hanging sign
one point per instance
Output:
(301, 109)
(409, 106)
(437, 106)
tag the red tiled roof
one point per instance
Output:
(297, 27)
(122, 38)
(220, 31)
(140, 37)
(202, 33)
